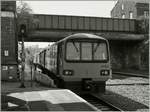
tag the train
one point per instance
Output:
(79, 62)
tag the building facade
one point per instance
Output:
(130, 9)
(9, 42)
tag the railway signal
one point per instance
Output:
(23, 34)
(23, 30)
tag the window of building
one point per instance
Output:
(115, 16)
(131, 15)
(123, 16)
(4, 67)
(6, 53)
(146, 14)
(122, 6)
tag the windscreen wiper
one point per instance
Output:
(75, 46)
(96, 47)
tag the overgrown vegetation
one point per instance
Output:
(144, 46)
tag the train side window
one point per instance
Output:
(60, 53)
(50, 54)
(4, 67)
(6, 53)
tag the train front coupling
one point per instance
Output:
(87, 84)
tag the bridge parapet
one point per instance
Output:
(82, 23)
(55, 27)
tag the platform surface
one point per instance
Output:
(49, 100)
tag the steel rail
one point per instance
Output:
(100, 103)
(130, 74)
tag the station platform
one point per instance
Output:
(42, 99)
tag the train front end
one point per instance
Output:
(86, 65)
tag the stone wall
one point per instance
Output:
(132, 57)
(116, 56)
(128, 55)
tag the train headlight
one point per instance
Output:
(68, 72)
(105, 72)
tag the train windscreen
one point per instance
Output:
(86, 51)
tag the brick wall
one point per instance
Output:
(8, 33)
(8, 41)
(8, 6)
(129, 6)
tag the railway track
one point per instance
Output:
(99, 103)
(130, 74)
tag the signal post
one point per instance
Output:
(22, 32)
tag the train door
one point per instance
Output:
(60, 60)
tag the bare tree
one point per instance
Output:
(25, 15)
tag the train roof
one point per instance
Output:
(76, 36)
(81, 35)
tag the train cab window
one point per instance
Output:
(86, 51)
(73, 51)
(100, 51)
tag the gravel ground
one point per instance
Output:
(124, 80)
(128, 93)
(143, 72)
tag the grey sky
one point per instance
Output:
(81, 8)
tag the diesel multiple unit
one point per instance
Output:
(80, 62)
